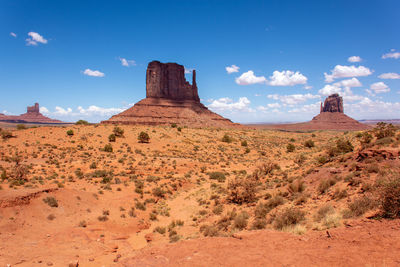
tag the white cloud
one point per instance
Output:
(308, 87)
(390, 75)
(13, 34)
(227, 104)
(329, 89)
(379, 87)
(93, 73)
(392, 54)
(310, 109)
(44, 110)
(353, 82)
(248, 78)
(293, 99)
(127, 62)
(287, 78)
(274, 105)
(232, 69)
(347, 71)
(188, 71)
(35, 38)
(63, 112)
(354, 59)
(95, 110)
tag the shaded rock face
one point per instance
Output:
(167, 80)
(333, 103)
(33, 109)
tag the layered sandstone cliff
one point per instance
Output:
(32, 115)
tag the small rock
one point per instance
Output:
(49, 264)
(91, 259)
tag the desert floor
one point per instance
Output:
(198, 197)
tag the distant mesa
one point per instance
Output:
(32, 115)
(332, 116)
(170, 99)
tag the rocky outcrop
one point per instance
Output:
(168, 81)
(170, 99)
(333, 103)
(32, 115)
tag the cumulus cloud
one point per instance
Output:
(373, 109)
(379, 87)
(127, 62)
(93, 73)
(345, 92)
(390, 75)
(310, 109)
(392, 54)
(188, 71)
(354, 59)
(232, 69)
(13, 34)
(346, 71)
(35, 38)
(330, 89)
(293, 99)
(287, 78)
(353, 82)
(92, 113)
(248, 78)
(227, 104)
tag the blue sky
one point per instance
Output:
(256, 61)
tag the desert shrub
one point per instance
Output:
(219, 176)
(323, 212)
(51, 217)
(325, 184)
(300, 159)
(173, 125)
(265, 169)
(243, 143)
(51, 201)
(275, 202)
(322, 160)
(227, 139)
(209, 230)
(81, 122)
(242, 190)
(383, 130)
(102, 218)
(160, 230)
(218, 209)
(288, 217)
(93, 165)
(297, 186)
(366, 138)
(344, 146)
(119, 132)
(143, 137)
(359, 206)
(240, 221)
(21, 127)
(140, 206)
(179, 129)
(290, 147)
(339, 194)
(384, 141)
(108, 148)
(111, 138)
(259, 223)
(158, 192)
(6, 134)
(373, 168)
(82, 224)
(261, 210)
(389, 191)
(309, 143)
(70, 132)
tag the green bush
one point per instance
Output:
(244, 143)
(70, 132)
(21, 127)
(173, 125)
(118, 131)
(359, 206)
(108, 148)
(143, 137)
(219, 176)
(309, 143)
(383, 130)
(290, 147)
(390, 197)
(227, 139)
(288, 217)
(344, 146)
(82, 122)
(111, 138)
(51, 201)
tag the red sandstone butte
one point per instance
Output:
(32, 115)
(170, 99)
